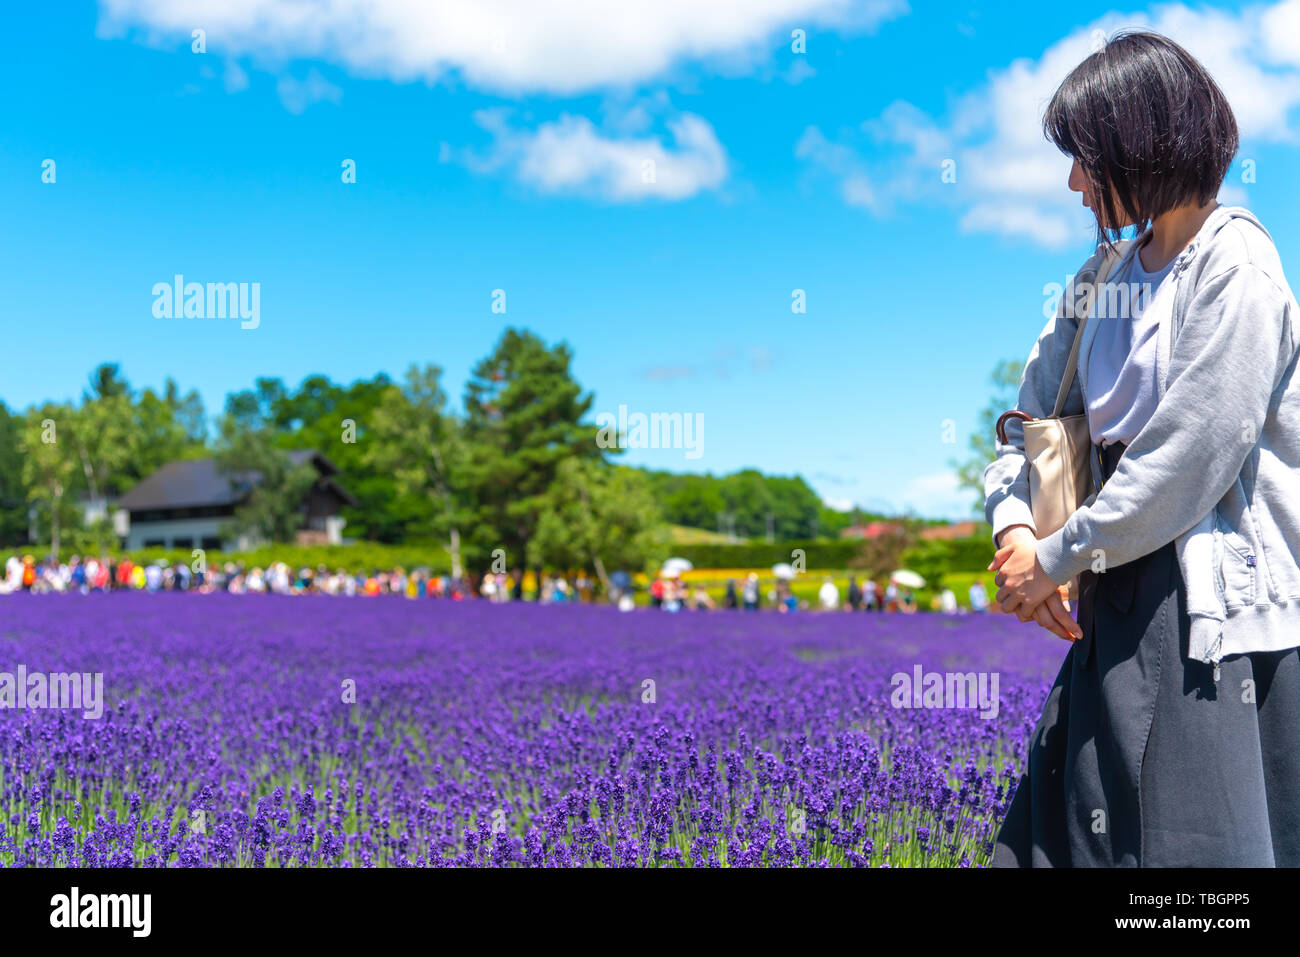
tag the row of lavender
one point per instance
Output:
(288, 732)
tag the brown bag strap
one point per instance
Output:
(1113, 255)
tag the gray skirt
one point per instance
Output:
(1141, 759)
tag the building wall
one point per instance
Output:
(326, 531)
(191, 533)
(181, 533)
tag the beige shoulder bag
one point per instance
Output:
(1057, 447)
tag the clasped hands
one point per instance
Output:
(1024, 588)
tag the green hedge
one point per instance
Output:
(825, 553)
(960, 554)
(932, 560)
(357, 557)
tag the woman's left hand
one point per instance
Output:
(1022, 583)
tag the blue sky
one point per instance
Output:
(503, 145)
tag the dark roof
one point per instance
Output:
(346, 497)
(197, 482)
(185, 485)
(323, 465)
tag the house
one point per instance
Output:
(98, 508)
(872, 530)
(949, 532)
(185, 504)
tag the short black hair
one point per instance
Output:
(1148, 125)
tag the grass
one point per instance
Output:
(685, 535)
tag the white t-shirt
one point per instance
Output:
(1122, 357)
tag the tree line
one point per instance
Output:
(513, 477)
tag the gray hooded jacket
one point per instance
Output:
(1217, 467)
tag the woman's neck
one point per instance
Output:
(1170, 234)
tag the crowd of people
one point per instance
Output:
(93, 575)
(90, 574)
(672, 594)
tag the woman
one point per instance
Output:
(1171, 736)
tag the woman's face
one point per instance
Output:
(1079, 183)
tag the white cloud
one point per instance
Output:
(799, 71)
(1262, 95)
(1016, 219)
(235, 79)
(560, 46)
(669, 373)
(931, 495)
(839, 162)
(571, 155)
(937, 495)
(1281, 29)
(1009, 178)
(297, 95)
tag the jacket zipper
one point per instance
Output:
(1216, 650)
(1221, 585)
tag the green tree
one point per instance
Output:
(832, 521)
(338, 420)
(748, 500)
(983, 442)
(523, 420)
(142, 432)
(101, 432)
(256, 408)
(248, 454)
(50, 466)
(414, 439)
(107, 382)
(743, 502)
(600, 516)
(13, 492)
(690, 499)
(796, 508)
(188, 412)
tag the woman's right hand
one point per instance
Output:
(1054, 613)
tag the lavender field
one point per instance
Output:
(503, 735)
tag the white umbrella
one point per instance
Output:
(908, 579)
(674, 567)
(783, 570)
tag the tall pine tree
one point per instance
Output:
(523, 412)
